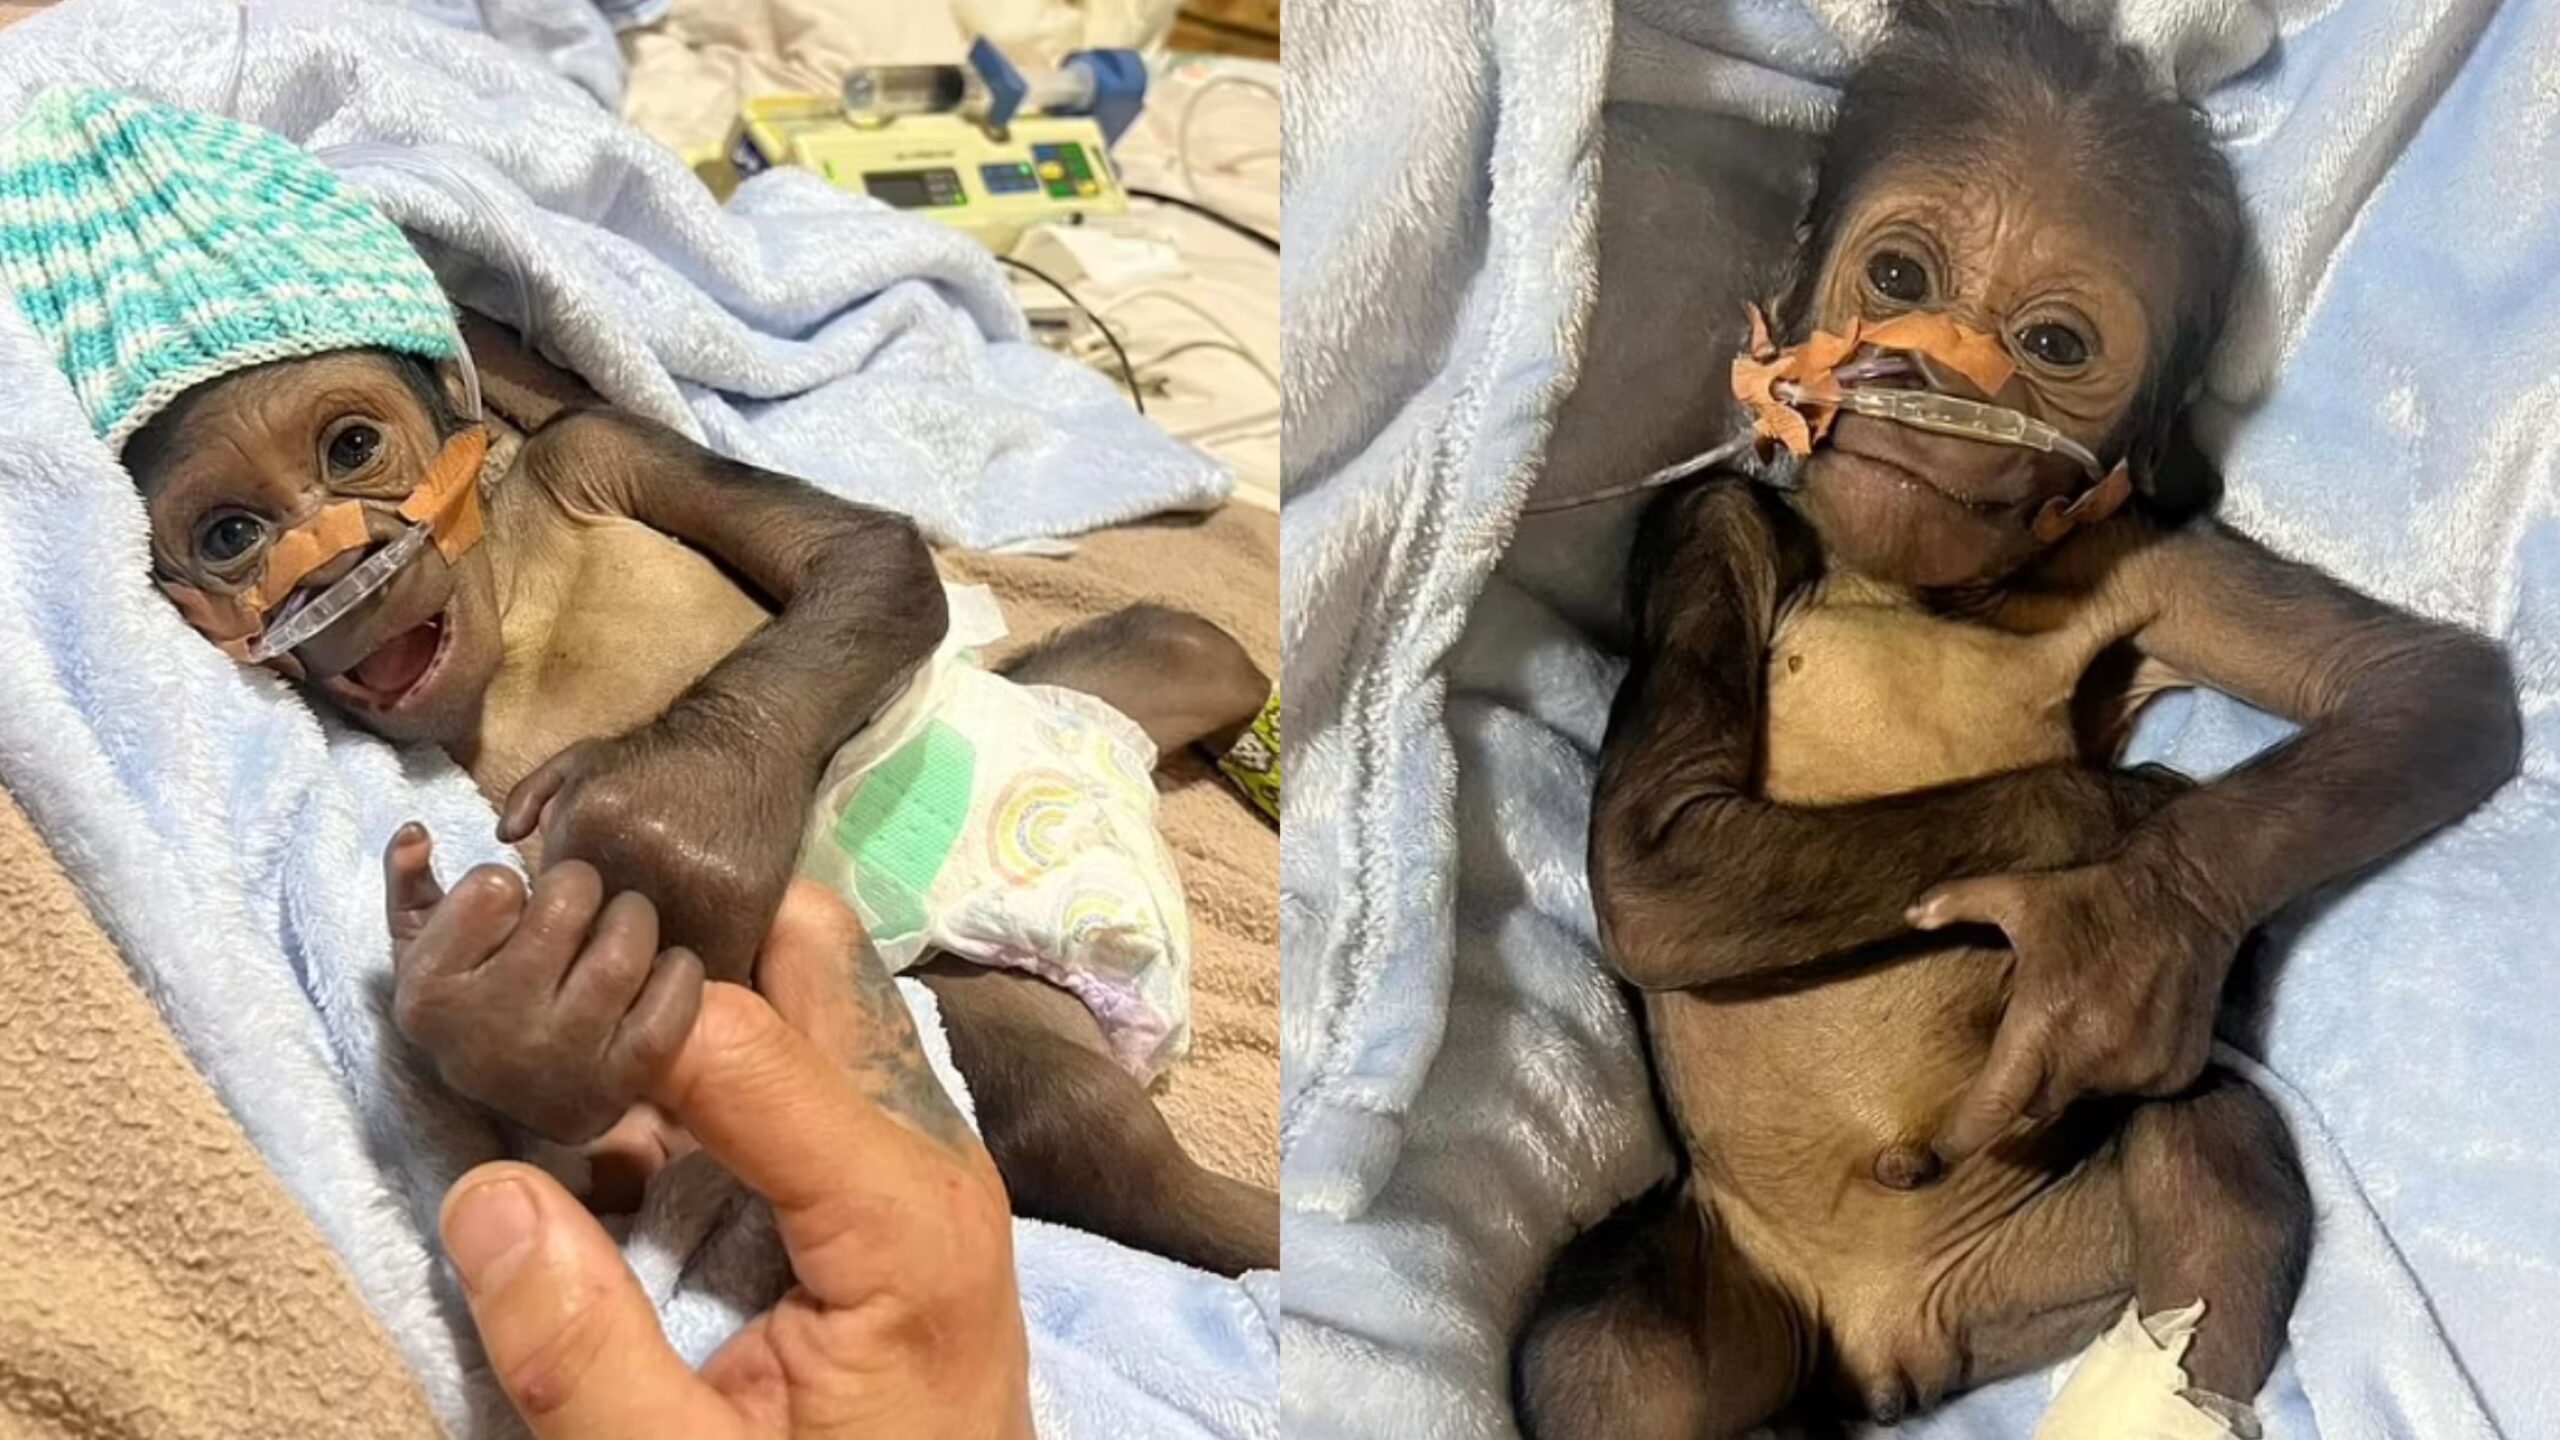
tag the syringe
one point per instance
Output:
(880, 93)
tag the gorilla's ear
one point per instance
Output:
(2175, 478)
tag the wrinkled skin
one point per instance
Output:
(665, 804)
(555, 1005)
(2129, 957)
(2018, 251)
(270, 447)
(1928, 983)
(1987, 247)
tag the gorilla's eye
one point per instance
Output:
(1898, 277)
(2058, 346)
(352, 449)
(228, 536)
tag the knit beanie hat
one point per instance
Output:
(155, 249)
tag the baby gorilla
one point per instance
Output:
(1929, 983)
(647, 663)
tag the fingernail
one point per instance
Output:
(1920, 917)
(490, 1230)
(411, 831)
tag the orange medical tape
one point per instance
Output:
(337, 529)
(2059, 517)
(447, 502)
(1976, 356)
(233, 621)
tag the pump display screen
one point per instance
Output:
(915, 189)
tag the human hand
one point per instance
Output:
(707, 829)
(905, 1319)
(556, 1009)
(2118, 974)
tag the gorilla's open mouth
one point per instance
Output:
(397, 669)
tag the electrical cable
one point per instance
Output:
(1128, 371)
(1230, 340)
(1242, 427)
(1267, 242)
(1187, 347)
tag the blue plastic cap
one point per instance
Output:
(1119, 88)
(1005, 86)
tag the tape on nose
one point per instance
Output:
(1950, 346)
(336, 530)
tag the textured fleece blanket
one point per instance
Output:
(572, 37)
(1462, 1087)
(158, 1284)
(228, 837)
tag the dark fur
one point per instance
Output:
(1795, 886)
(1956, 77)
(1654, 1322)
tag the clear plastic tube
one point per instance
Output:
(1731, 450)
(1963, 419)
(303, 619)
(487, 215)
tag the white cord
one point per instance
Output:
(1186, 347)
(1168, 295)
(239, 62)
(1191, 108)
(1679, 470)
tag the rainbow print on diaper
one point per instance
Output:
(1036, 825)
(1014, 825)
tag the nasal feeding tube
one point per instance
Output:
(442, 510)
(1792, 394)
(455, 518)
(302, 618)
(1943, 414)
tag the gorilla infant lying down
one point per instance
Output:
(1928, 981)
(679, 677)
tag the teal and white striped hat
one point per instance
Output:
(156, 249)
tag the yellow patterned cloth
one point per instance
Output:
(1254, 763)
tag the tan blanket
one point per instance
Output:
(155, 1279)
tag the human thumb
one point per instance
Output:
(570, 1334)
